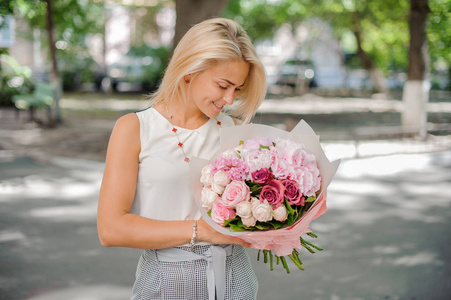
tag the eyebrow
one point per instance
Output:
(231, 83)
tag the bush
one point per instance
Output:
(14, 80)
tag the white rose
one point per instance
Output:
(262, 212)
(219, 189)
(280, 213)
(208, 197)
(249, 222)
(254, 202)
(244, 209)
(221, 178)
(206, 177)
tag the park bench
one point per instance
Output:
(42, 97)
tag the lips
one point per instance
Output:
(218, 106)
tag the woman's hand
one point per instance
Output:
(205, 233)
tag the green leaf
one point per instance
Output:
(310, 199)
(262, 226)
(241, 143)
(234, 227)
(264, 147)
(227, 222)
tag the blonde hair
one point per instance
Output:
(203, 46)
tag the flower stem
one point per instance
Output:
(296, 262)
(265, 256)
(278, 260)
(311, 234)
(285, 265)
(258, 255)
(304, 242)
(296, 255)
(270, 261)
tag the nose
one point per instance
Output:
(229, 96)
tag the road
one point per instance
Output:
(386, 234)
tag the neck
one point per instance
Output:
(182, 116)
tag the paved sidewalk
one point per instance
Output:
(386, 234)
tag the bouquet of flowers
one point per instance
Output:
(266, 188)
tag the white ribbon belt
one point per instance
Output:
(216, 265)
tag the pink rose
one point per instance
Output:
(219, 213)
(261, 176)
(292, 192)
(234, 193)
(273, 192)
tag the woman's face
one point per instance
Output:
(217, 86)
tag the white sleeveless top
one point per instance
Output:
(163, 190)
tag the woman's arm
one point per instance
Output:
(115, 224)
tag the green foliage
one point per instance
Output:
(14, 79)
(439, 33)
(383, 25)
(74, 21)
(261, 19)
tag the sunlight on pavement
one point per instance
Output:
(98, 292)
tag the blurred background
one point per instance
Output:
(372, 77)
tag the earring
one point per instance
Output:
(187, 81)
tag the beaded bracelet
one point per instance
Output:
(193, 238)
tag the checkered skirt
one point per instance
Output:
(156, 279)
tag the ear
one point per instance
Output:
(187, 78)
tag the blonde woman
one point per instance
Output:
(146, 201)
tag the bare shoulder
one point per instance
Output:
(129, 121)
(126, 131)
(237, 121)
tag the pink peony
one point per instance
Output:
(256, 159)
(234, 193)
(220, 213)
(273, 192)
(255, 143)
(292, 192)
(235, 168)
(281, 167)
(261, 176)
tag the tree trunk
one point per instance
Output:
(191, 12)
(55, 80)
(416, 89)
(376, 75)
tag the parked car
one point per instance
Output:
(140, 70)
(297, 74)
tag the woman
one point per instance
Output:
(145, 200)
